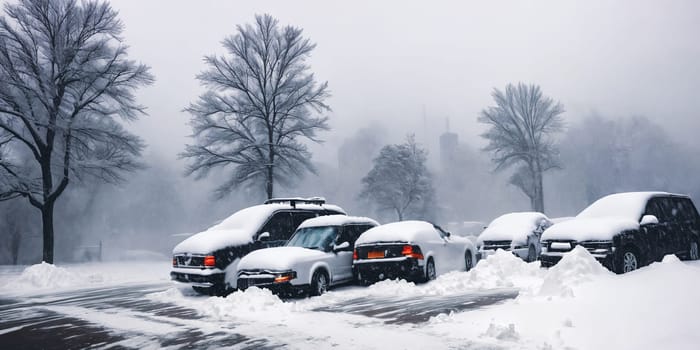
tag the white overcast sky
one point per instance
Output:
(387, 60)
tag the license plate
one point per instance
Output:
(375, 255)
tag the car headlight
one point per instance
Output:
(283, 277)
(598, 247)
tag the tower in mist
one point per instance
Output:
(449, 143)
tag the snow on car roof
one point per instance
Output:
(337, 220)
(239, 228)
(527, 218)
(628, 205)
(512, 227)
(402, 231)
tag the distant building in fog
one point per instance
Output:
(449, 146)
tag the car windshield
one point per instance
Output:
(320, 237)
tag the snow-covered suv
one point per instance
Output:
(318, 256)
(518, 233)
(208, 260)
(625, 231)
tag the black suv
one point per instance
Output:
(625, 231)
(208, 260)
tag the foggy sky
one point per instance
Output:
(390, 60)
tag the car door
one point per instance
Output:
(341, 263)
(445, 252)
(656, 235)
(680, 218)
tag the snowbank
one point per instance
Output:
(575, 268)
(576, 304)
(44, 275)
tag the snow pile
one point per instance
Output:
(251, 301)
(575, 268)
(44, 276)
(507, 333)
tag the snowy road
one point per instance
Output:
(123, 316)
(503, 303)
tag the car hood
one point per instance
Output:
(517, 235)
(212, 240)
(279, 258)
(580, 229)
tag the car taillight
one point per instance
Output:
(354, 254)
(209, 261)
(411, 252)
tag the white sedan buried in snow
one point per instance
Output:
(516, 232)
(318, 256)
(414, 250)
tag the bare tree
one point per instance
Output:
(520, 134)
(400, 181)
(65, 84)
(260, 101)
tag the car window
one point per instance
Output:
(691, 211)
(315, 237)
(350, 233)
(655, 207)
(300, 216)
(280, 226)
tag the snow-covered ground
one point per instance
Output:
(577, 304)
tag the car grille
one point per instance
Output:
(189, 261)
(505, 245)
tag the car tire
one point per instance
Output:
(319, 283)
(693, 253)
(468, 262)
(531, 253)
(628, 260)
(430, 272)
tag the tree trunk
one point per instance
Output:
(269, 181)
(399, 214)
(15, 241)
(539, 191)
(47, 228)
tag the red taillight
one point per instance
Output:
(209, 261)
(411, 252)
(354, 255)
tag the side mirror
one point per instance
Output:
(448, 234)
(649, 220)
(264, 236)
(341, 246)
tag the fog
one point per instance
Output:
(626, 72)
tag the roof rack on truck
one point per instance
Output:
(293, 201)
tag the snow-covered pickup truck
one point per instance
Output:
(208, 260)
(625, 231)
(414, 250)
(318, 256)
(518, 233)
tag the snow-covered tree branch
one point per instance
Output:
(520, 132)
(65, 83)
(261, 103)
